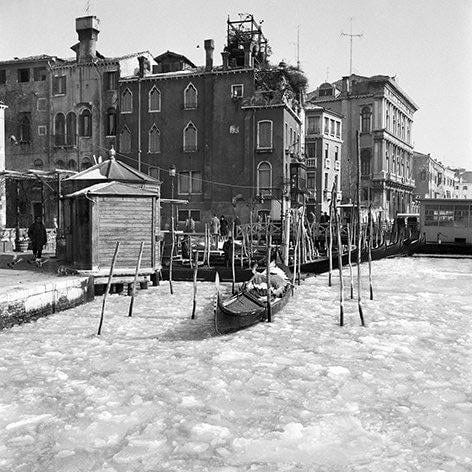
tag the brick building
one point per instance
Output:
(382, 113)
(231, 142)
(323, 151)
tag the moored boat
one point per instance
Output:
(249, 305)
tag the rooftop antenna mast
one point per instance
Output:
(298, 47)
(351, 36)
(87, 7)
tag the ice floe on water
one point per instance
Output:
(160, 392)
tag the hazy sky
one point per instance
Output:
(426, 44)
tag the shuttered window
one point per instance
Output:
(264, 134)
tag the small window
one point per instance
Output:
(190, 97)
(311, 180)
(60, 164)
(155, 100)
(41, 104)
(237, 91)
(190, 138)
(59, 85)
(71, 129)
(111, 80)
(366, 118)
(264, 179)
(125, 140)
(72, 165)
(331, 132)
(111, 122)
(326, 151)
(336, 153)
(154, 140)
(189, 182)
(126, 101)
(338, 129)
(310, 149)
(3, 76)
(38, 164)
(42, 130)
(326, 181)
(24, 130)
(85, 124)
(184, 214)
(59, 129)
(23, 75)
(264, 135)
(326, 126)
(39, 74)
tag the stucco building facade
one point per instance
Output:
(382, 114)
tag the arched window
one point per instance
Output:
(365, 161)
(85, 123)
(154, 140)
(24, 129)
(366, 118)
(264, 179)
(190, 96)
(60, 164)
(423, 175)
(125, 140)
(72, 165)
(264, 135)
(190, 138)
(154, 99)
(85, 163)
(127, 101)
(111, 122)
(38, 164)
(71, 128)
(59, 129)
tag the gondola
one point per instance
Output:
(245, 309)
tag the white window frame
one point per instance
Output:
(42, 130)
(235, 95)
(270, 175)
(190, 123)
(151, 110)
(190, 182)
(186, 107)
(127, 89)
(271, 134)
(154, 127)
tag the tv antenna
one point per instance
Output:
(298, 47)
(351, 36)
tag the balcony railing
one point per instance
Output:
(311, 162)
(327, 163)
(336, 165)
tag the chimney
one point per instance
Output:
(225, 58)
(87, 29)
(209, 47)
(345, 85)
(144, 66)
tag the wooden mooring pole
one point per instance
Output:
(171, 255)
(195, 274)
(340, 264)
(133, 288)
(359, 233)
(110, 276)
(268, 241)
(370, 252)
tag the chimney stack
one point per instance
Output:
(209, 48)
(87, 29)
(346, 85)
(225, 58)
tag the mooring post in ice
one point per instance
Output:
(359, 228)
(349, 256)
(370, 251)
(110, 277)
(295, 251)
(133, 288)
(195, 273)
(172, 246)
(233, 269)
(340, 262)
(268, 242)
(330, 244)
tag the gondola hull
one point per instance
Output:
(242, 310)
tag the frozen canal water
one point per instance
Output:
(158, 392)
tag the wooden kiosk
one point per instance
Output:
(96, 216)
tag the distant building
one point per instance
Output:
(433, 179)
(231, 140)
(382, 113)
(323, 152)
(463, 183)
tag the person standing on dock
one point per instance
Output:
(37, 234)
(190, 225)
(224, 227)
(228, 250)
(215, 229)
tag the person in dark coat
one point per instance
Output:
(223, 226)
(37, 234)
